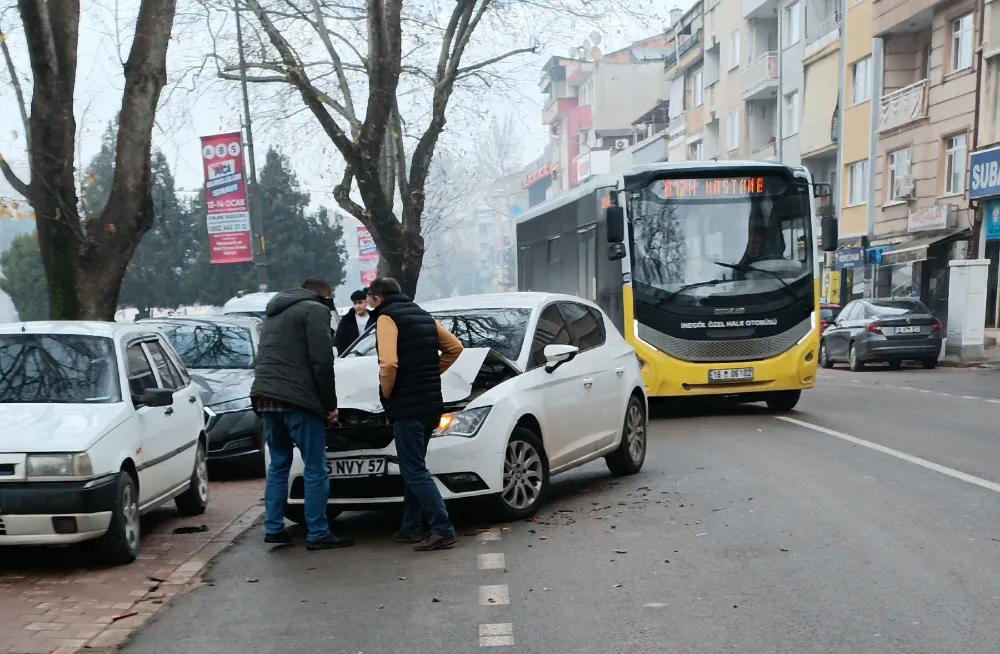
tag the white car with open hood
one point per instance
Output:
(101, 423)
(546, 383)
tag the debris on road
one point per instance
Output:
(191, 530)
(619, 585)
(402, 578)
(621, 551)
(253, 580)
(124, 615)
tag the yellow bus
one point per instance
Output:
(709, 269)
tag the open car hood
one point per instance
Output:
(357, 380)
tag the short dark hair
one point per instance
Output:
(317, 285)
(384, 287)
(359, 296)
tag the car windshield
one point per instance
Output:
(700, 241)
(211, 346)
(889, 308)
(499, 329)
(58, 368)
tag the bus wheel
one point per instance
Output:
(783, 401)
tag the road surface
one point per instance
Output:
(865, 522)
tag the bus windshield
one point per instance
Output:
(701, 241)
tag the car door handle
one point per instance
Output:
(588, 382)
(620, 370)
(169, 411)
(192, 399)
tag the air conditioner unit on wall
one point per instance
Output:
(905, 188)
(620, 144)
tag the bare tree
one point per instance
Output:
(346, 61)
(85, 258)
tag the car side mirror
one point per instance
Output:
(556, 355)
(154, 397)
(614, 217)
(828, 229)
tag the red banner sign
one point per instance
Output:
(367, 252)
(228, 219)
(368, 276)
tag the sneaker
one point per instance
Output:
(436, 542)
(409, 539)
(330, 542)
(280, 538)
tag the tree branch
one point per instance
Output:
(338, 65)
(300, 80)
(494, 60)
(18, 91)
(14, 180)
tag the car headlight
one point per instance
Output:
(462, 423)
(242, 404)
(59, 465)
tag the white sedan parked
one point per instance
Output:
(546, 384)
(101, 424)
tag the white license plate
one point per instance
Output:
(357, 467)
(906, 330)
(730, 374)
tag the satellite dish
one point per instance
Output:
(586, 45)
(595, 38)
(573, 53)
(595, 53)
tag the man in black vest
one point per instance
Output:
(408, 340)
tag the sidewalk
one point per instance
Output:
(53, 602)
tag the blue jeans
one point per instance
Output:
(285, 431)
(421, 496)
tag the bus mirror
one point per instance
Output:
(615, 219)
(822, 190)
(616, 251)
(828, 226)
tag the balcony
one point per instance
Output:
(652, 150)
(902, 107)
(822, 34)
(677, 126)
(760, 79)
(767, 152)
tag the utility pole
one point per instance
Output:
(256, 220)
(779, 117)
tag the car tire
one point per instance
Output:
(524, 459)
(120, 543)
(194, 500)
(852, 358)
(297, 513)
(824, 356)
(783, 401)
(631, 452)
(929, 364)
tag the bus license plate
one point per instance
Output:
(730, 374)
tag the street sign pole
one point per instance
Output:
(256, 220)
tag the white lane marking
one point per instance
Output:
(494, 595)
(969, 397)
(909, 458)
(489, 534)
(923, 390)
(945, 394)
(492, 561)
(496, 635)
(993, 401)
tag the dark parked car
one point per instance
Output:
(827, 315)
(878, 330)
(219, 353)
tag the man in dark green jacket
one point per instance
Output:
(295, 392)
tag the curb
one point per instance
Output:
(185, 578)
(986, 364)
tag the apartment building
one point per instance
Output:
(921, 217)
(984, 178)
(591, 100)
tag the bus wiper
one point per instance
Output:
(688, 287)
(746, 267)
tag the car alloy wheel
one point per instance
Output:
(130, 517)
(824, 356)
(635, 432)
(201, 475)
(523, 475)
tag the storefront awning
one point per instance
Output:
(917, 248)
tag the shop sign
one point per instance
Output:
(927, 218)
(583, 168)
(850, 258)
(991, 214)
(550, 171)
(984, 174)
(873, 256)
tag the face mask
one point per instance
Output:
(328, 302)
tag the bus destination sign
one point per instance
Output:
(727, 187)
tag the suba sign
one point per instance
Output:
(984, 174)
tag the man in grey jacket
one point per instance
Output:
(295, 392)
